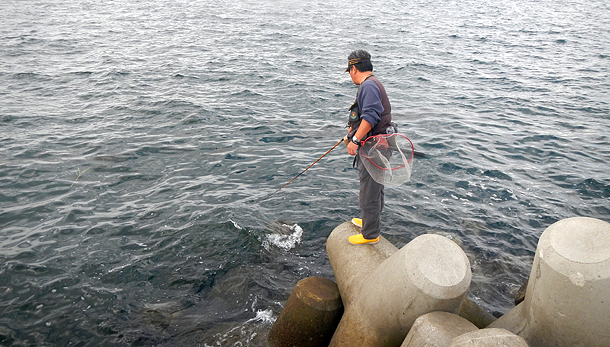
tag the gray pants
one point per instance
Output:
(371, 203)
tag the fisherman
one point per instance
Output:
(369, 115)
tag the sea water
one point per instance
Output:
(141, 142)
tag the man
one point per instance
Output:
(369, 115)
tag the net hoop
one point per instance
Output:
(388, 158)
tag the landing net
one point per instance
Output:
(388, 158)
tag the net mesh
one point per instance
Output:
(388, 158)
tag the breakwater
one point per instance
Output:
(414, 296)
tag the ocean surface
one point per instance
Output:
(140, 143)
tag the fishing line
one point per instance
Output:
(415, 153)
(312, 164)
(295, 177)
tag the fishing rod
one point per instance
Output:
(323, 155)
(415, 153)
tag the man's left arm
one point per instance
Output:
(370, 99)
(365, 127)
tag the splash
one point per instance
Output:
(284, 236)
(246, 334)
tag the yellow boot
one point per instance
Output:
(358, 239)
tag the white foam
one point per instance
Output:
(284, 241)
(245, 333)
(265, 316)
(235, 225)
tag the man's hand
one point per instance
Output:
(352, 148)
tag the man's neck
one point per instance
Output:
(362, 76)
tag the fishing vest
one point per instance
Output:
(385, 120)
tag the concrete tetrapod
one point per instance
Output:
(488, 338)
(430, 273)
(475, 314)
(352, 264)
(437, 329)
(567, 302)
(310, 315)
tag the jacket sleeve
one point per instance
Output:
(369, 100)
